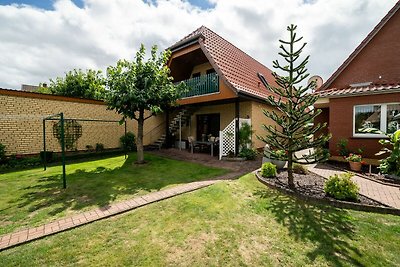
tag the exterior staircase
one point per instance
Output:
(184, 115)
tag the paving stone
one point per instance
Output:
(386, 194)
(33, 233)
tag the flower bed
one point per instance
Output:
(310, 187)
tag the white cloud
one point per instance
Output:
(40, 44)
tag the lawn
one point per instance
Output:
(33, 197)
(231, 223)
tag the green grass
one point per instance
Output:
(33, 197)
(233, 223)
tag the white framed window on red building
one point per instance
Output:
(384, 117)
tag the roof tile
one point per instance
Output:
(237, 67)
(362, 90)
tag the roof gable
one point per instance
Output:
(238, 69)
(365, 57)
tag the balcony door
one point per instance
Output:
(207, 124)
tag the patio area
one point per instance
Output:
(240, 167)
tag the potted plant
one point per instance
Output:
(280, 154)
(355, 161)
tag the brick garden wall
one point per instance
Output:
(21, 115)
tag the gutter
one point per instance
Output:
(392, 91)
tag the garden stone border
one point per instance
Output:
(334, 203)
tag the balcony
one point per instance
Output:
(203, 85)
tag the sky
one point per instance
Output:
(41, 40)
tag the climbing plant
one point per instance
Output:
(72, 132)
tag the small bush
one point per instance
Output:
(128, 142)
(248, 153)
(342, 147)
(99, 147)
(341, 187)
(16, 162)
(2, 152)
(268, 170)
(299, 169)
(49, 156)
(89, 148)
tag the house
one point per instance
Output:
(225, 92)
(365, 90)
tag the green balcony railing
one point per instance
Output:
(203, 85)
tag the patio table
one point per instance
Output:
(208, 143)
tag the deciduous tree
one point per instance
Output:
(141, 85)
(76, 83)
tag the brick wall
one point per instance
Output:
(341, 122)
(21, 115)
(380, 57)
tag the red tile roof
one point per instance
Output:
(360, 47)
(360, 90)
(237, 68)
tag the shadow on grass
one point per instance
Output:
(326, 227)
(101, 186)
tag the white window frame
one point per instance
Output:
(383, 120)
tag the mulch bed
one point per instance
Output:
(312, 185)
(365, 171)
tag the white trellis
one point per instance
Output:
(227, 137)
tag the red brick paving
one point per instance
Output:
(386, 194)
(237, 169)
(16, 238)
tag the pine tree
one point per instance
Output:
(293, 110)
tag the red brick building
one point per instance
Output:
(365, 90)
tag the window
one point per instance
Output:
(384, 117)
(393, 117)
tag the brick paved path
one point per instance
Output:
(16, 238)
(386, 194)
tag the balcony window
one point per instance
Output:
(384, 117)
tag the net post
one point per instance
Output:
(125, 147)
(44, 144)
(63, 149)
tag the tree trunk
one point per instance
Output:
(139, 140)
(290, 170)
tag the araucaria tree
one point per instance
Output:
(293, 111)
(141, 85)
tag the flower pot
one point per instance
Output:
(355, 166)
(278, 163)
(265, 159)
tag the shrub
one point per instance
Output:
(341, 187)
(391, 147)
(268, 170)
(128, 141)
(248, 153)
(16, 163)
(99, 147)
(89, 148)
(299, 169)
(342, 147)
(391, 164)
(2, 152)
(49, 156)
(245, 133)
